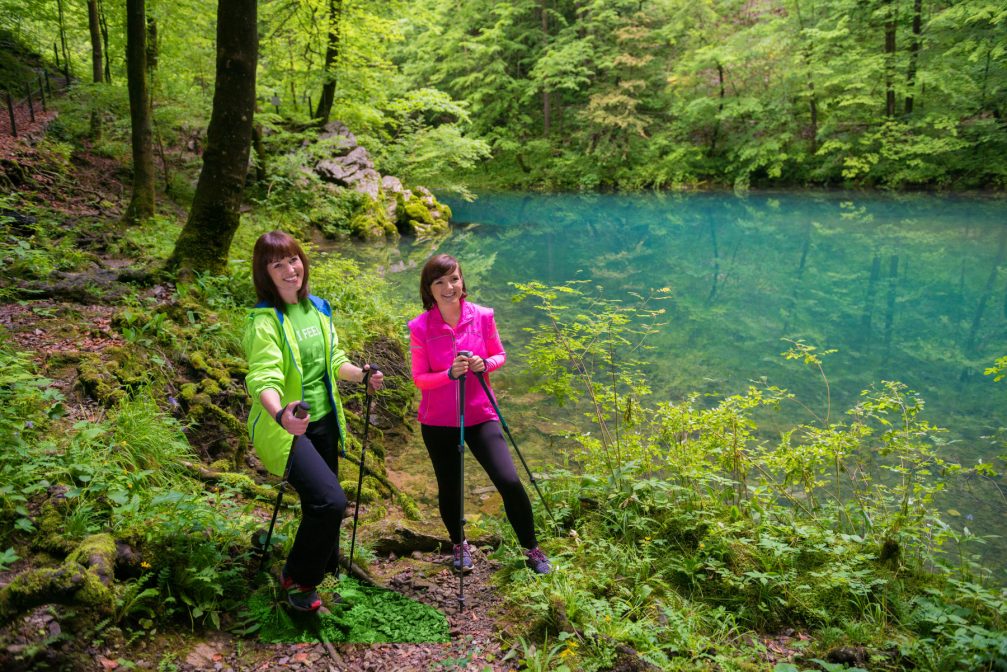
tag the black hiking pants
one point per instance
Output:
(314, 474)
(487, 444)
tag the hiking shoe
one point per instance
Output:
(299, 597)
(462, 557)
(537, 561)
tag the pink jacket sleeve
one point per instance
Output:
(423, 377)
(495, 354)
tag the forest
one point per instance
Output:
(146, 145)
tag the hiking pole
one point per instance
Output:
(461, 483)
(503, 423)
(360, 476)
(300, 411)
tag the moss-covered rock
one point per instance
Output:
(421, 214)
(114, 374)
(50, 534)
(371, 222)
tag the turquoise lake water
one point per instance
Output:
(910, 288)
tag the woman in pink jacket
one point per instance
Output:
(451, 325)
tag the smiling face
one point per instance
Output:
(287, 274)
(280, 271)
(441, 280)
(448, 289)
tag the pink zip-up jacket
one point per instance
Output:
(434, 345)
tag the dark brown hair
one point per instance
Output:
(436, 266)
(269, 248)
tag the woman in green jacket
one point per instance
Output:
(293, 355)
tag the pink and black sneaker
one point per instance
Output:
(300, 597)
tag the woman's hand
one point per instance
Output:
(291, 422)
(459, 367)
(376, 379)
(477, 364)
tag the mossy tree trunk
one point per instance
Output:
(141, 205)
(206, 238)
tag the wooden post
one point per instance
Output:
(55, 50)
(31, 106)
(10, 111)
(41, 92)
(48, 87)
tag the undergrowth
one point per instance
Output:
(366, 615)
(692, 539)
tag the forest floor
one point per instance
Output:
(62, 325)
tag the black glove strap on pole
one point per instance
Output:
(503, 423)
(360, 475)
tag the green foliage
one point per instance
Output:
(687, 528)
(37, 252)
(631, 95)
(365, 615)
(998, 370)
(587, 346)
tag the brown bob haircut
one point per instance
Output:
(436, 266)
(271, 247)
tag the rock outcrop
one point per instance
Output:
(390, 207)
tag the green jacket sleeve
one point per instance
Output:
(338, 356)
(263, 351)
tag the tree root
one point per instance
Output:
(240, 481)
(84, 578)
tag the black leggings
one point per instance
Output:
(486, 441)
(314, 474)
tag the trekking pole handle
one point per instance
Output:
(464, 353)
(301, 410)
(371, 368)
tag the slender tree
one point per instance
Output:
(206, 238)
(104, 38)
(141, 205)
(889, 58)
(914, 54)
(62, 40)
(546, 102)
(331, 55)
(97, 76)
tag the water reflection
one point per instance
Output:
(910, 288)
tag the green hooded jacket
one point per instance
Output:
(274, 361)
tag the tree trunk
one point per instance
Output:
(890, 59)
(206, 238)
(94, 26)
(720, 109)
(97, 76)
(331, 54)
(62, 41)
(104, 39)
(260, 154)
(141, 205)
(152, 46)
(546, 103)
(914, 52)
